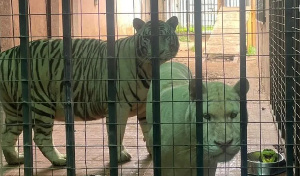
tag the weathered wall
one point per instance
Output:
(9, 24)
(5, 25)
(88, 19)
(262, 47)
(56, 19)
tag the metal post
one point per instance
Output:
(297, 87)
(199, 97)
(155, 88)
(26, 87)
(112, 78)
(48, 19)
(69, 116)
(289, 112)
(243, 96)
(1, 126)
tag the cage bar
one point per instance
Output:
(243, 93)
(26, 87)
(69, 116)
(208, 18)
(155, 88)
(198, 74)
(48, 18)
(296, 59)
(112, 78)
(289, 86)
(277, 63)
(1, 127)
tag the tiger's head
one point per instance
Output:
(168, 40)
(221, 119)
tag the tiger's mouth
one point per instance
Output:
(167, 55)
(224, 155)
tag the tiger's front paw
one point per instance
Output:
(61, 160)
(124, 156)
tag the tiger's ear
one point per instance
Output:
(138, 24)
(236, 87)
(173, 22)
(193, 89)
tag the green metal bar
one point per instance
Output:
(155, 88)
(289, 86)
(272, 82)
(1, 127)
(26, 87)
(297, 58)
(243, 96)
(48, 18)
(112, 91)
(69, 116)
(199, 97)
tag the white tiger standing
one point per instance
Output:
(221, 128)
(89, 62)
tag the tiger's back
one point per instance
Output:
(47, 75)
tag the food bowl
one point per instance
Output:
(256, 167)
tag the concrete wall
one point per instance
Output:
(88, 19)
(9, 24)
(56, 19)
(5, 25)
(262, 48)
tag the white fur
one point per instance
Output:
(178, 129)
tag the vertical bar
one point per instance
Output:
(1, 127)
(155, 88)
(69, 116)
(26, 87)
(271, 56)
(296, 58)
(48, 18)
(112, 77)
(187, 6)
(289, 112)
(199, 97)
(0, 51)
(243, 97)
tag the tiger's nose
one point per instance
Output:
(223, 144)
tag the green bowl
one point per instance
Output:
(256, 167)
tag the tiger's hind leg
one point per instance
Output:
(145, 129)
(122, 117)
(12, 129)
(43, 129)
(143, 123)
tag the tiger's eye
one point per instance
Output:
(206, 116)
(233, 115)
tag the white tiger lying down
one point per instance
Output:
(178, 129)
